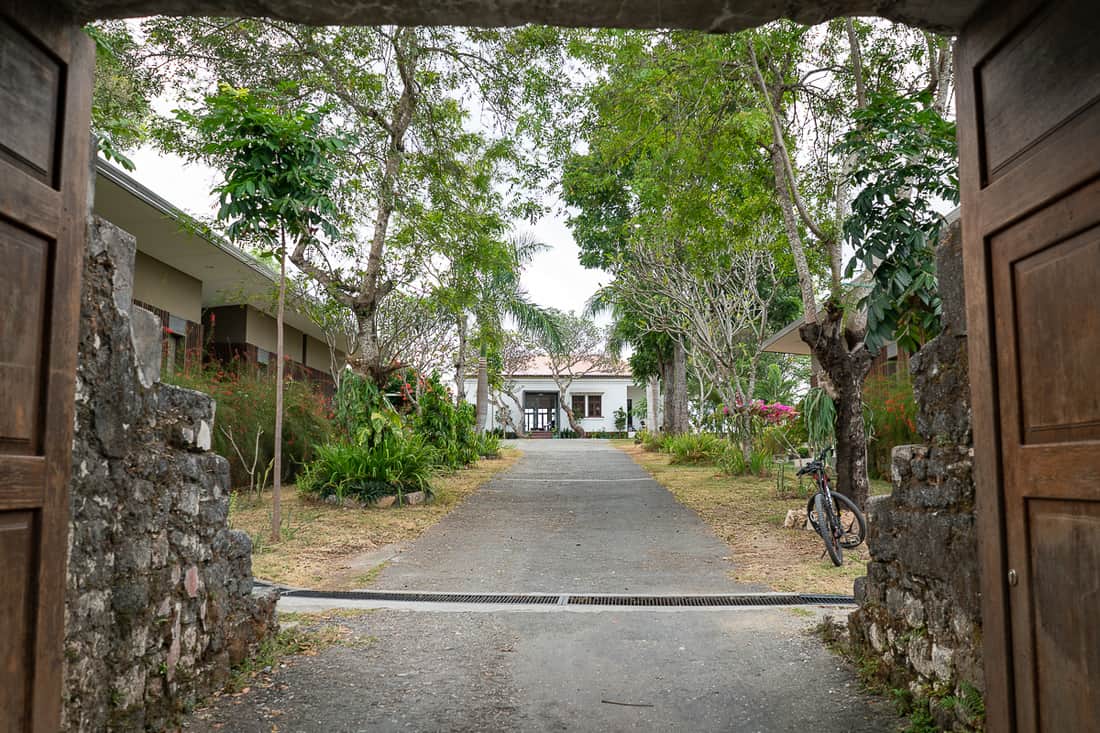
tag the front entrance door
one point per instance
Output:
(1029, 139)
(46, 66)
(540, 410)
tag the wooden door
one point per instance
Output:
(46, 66)
(1029, 135)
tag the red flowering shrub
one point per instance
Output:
(890, 411)
(245, 398)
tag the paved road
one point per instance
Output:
(569, 517)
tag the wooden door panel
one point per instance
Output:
(1017, 110)
(1065, 564)
(17, 548)
(30, 79)
(1029, 136)
(45, 100)
(26, 258)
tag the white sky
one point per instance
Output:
(555, 278)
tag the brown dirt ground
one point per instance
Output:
(320, 541)
(747, 513)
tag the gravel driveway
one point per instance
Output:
(571, 516)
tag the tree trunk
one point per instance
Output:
(568, 410)
(276, 492)
(520, 430)
(846, 361)
(482, 390)
(460, 363)
(676, 392)
(652, 403)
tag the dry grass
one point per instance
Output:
(319, 540)
(748, 515)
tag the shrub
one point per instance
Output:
(396, 463)
(694, 448)
(245, 399)
(652, 442)
(731, 461)
(567, 433)
(488, 445)
(447, 427)
(891, 412)
(354, 403)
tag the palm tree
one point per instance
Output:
(502, 296)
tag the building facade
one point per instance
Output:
(214, 300)
(595, 396)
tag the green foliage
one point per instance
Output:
(394, 463)
(279, 166)
(694, 448)
(651, 441)
(355, 402)
(732, 461)
(620, 419)
(819, 414)
(891, 409)
(123, 91)
(488, 445)
(245, 397)
(448, 428)
(907, 158)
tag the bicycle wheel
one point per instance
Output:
(826, 527)
(853, 525)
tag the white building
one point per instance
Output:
(594, 396)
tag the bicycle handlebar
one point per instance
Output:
(818, 464)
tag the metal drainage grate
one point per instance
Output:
(690, 601)
(711, 601)
(494, 598)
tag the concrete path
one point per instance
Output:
(571, 516)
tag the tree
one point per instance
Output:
(276, 192)
(123, 92)
(580, 350)
(719, 314)
(838, 335)
(403, 92)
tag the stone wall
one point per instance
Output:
(160, 599)
(919, 614)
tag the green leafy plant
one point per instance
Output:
(695, 448)
(279, 176)
(907, 159)
(394, 464)
(488, 445)
(446, 427)
(620, 419)
(819, 414)
(732, 461)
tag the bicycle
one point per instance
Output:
(845, 527)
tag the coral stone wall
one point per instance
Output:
(159, 588)
(919, 615)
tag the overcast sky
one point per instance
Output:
(555, 278)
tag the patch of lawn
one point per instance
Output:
(746, 513)
(318, 539)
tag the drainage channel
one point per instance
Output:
(577, 600)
